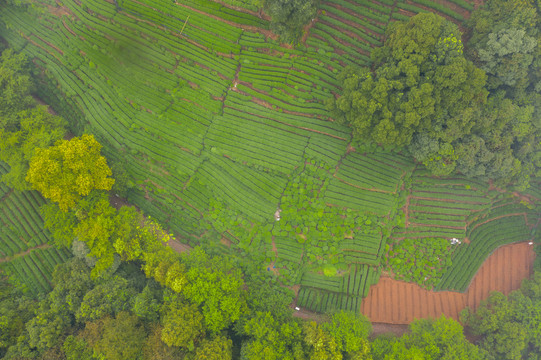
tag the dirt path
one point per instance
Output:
(397, 302)
(26, 252)
(178, 246)
(377, 328)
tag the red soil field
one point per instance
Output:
(397, 302)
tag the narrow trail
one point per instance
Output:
(179, 247)
(377, 328)
(26, 252)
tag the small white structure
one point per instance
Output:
(277, 214)
(530, 243)
(455, 241)
(297, 308)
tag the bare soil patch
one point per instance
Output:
(179, 247)
(397, 302)
(307, 27)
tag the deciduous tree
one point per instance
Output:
(183, 325)
(422, 89)
(15, 88)
(217, 348)
(350, 331)
(215, 285)
(33, 128)
(117, 338)
(321, 344)
(288, 17)
(69, 170)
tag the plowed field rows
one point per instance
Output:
(397, 302)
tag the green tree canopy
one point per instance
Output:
(69, 170)
(429, 340)
(15, 88)
(351, 331)
(23, 125)
(107, 298)
(183, 325)
(509, 326)
(321, 344)
(288, 17)
(118, 338)
(217, 348)
(36, 128)
(506, 42)
(422, 84)
(271, 339)
(215, 284)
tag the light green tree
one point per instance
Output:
(216, 285)
(118, 338)
(322, 345)
(69, 170)
(218, 348)
(34, 128)
(183, 325)
(350, 331)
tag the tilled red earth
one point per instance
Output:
(397, 302)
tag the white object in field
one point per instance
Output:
(277, 214)
(455, 241)
(530, 243)
(297, 308)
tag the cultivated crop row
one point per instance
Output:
(322, 293)
(484, 239)
(344, 195)
(364, 172)
(34, 270)
(324, 301)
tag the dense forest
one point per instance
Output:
(162, 253)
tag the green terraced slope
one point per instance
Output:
(220, 126)
(24, 252)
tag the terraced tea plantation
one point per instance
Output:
(24, 252)
(228, 140)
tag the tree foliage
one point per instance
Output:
(271, 338)
(321, 345)
(15, 88)
(351, 331)
(217, 348)
(107, 235)
(15, 311)
(425, 95)
(506, 43)
(183, 325)
(34, 128)
(118, 338)
(428, 340)
(23, 125)
(76, 348)
(69, 170)
(510, 326)
(288, 17)
(108, 298)
(422, 85)
(216, 285)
